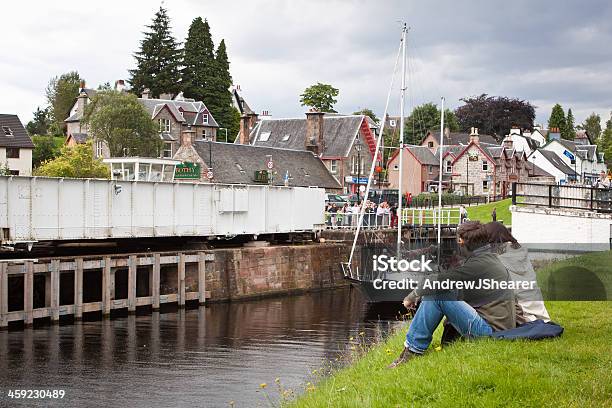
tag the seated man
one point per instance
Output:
(473, 312)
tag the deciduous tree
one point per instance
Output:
(424, 118)
(367, 112)
(320, 96)
(495, 115)
(76, 162)
(592, 125)
(123, 123)
(40, 123)
(45, 148)
(61, 94)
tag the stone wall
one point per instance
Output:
(240, 273)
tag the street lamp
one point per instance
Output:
(225, 133)
(358, 147)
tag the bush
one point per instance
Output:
(74, 162)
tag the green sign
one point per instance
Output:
(187, 170)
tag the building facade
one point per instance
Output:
(15, 147)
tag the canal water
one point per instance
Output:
(203, 357)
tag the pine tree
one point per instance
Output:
(199, 61)
(158, 61)
(557, 118)
(570, 129)
(219, 96)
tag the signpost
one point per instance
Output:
(209, 173)
(187, 170)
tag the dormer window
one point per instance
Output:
(7, 131)
(164, 125)
(205, 118)
(286, 138)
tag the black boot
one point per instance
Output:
(403, 357)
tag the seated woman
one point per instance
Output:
(473, 312)
(529, 303)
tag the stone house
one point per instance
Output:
(345, 143)
(432, 138)
(15, 146)
(172, 114)
(231, 163)
(420, 167)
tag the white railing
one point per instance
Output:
(410, 217)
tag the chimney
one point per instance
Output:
(81, 103)
(252, 120)
(474, 135)
(515, 130)
(554, 133)
(245, 130)
(314, 131)
(82, 85)
(187, 137)
(119, 85)
(146, 94)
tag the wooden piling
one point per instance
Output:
(181, 280)
(132, 284)
(107, 285)
(156, 281)
(28, 293)
(55, 290)
(78, 289)
(202, 278)
(3, 295)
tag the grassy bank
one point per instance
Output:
(483, 212)
(573, 371)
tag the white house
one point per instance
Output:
(15, 147)
(551, 163)
(584, 159)
(521, 142)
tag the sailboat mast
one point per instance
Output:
(440, 174)
(401, 142)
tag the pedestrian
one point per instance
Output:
(462, 214)
(494, 214)
(394, 217)
(333, 212)
(602, 181)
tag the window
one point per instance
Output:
(449, 166)
(430, 169)
(164, 125)
(12, 152)
(239, 167)
(286, 137)
(14, 172)
(205, 118)
(7, 131)
(333, 166)
(357, 168)
(264, 136)
(430, 144)
(99, 148)
(167, 152)
(485, 165)
(485, 186)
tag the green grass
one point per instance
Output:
(572, 371)
(483, 212)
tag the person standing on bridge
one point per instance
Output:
(462, 214)
(494, 214)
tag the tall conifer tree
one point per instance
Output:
(199, 61)
(219, 95)
(557, 118)
(570, 129)
(159, 58)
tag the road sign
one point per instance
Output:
(569, 155)
(270, 164)
(209, 174)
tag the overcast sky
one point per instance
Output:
(542, 51)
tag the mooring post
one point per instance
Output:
(156, 281)
(132, 284)
(28, 293)
(202, 278)
(107, 284)
(54, 290)
(3, 295)
(181, 280)
(78, 289)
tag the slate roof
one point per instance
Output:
(236, 164)
(19, 136)
(424, 155)
(339, 132)
(243, 107)
(460, 138)
(192, 110)
(557, 162)
(80, 137)
(454, 150)
(535, 171)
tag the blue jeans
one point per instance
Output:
(429, 315)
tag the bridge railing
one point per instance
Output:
(562, 196)
(410, 217)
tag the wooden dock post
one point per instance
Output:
(78, 289)
(156, 281)
(28, 293)
(132, 284)
(181, 280)
(54, 290)
(3, 295)
(107, 284)
(201, 278)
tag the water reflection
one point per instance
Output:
(201, 357)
